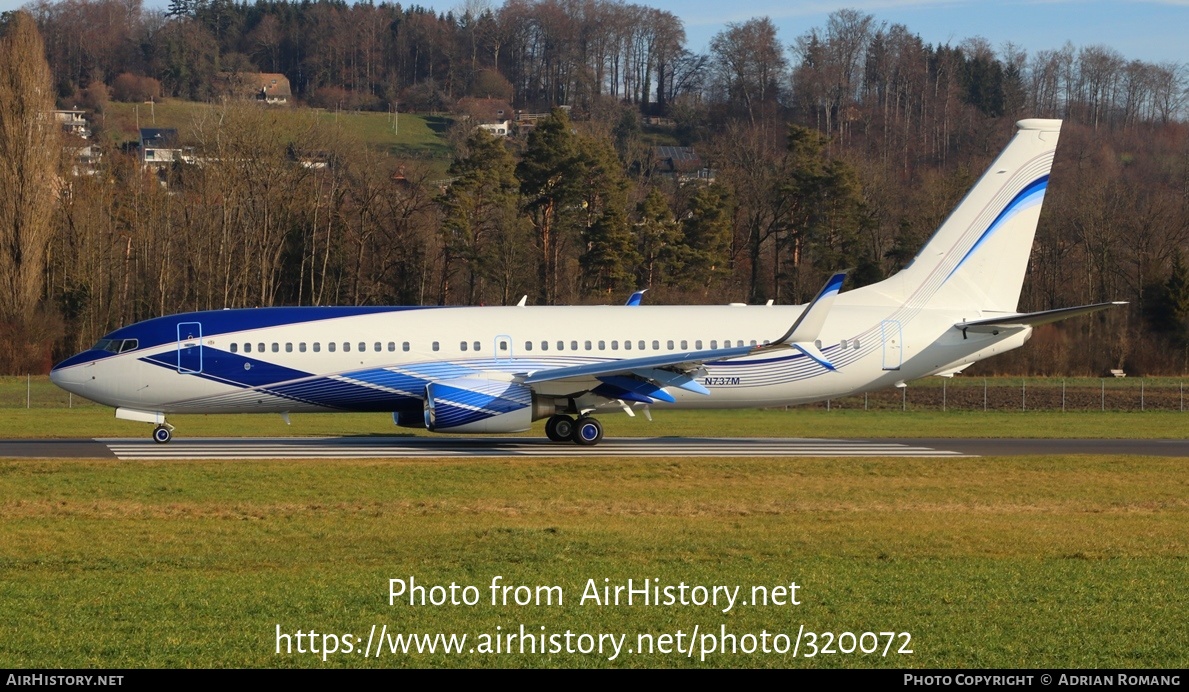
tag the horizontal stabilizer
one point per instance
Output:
(1031, 319)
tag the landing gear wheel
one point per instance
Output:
(559, 428)
(587, 431)
(162, 434)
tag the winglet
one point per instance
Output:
(809, 324)
(636, 297)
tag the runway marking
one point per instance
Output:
(364, 447)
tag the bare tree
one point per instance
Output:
(29, 156)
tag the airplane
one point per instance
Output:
(498, 369)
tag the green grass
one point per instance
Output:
(98, 421)
(1072, 562)
(987, 563)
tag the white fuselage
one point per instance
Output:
(314, 365)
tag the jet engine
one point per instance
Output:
(473, 405)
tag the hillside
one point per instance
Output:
(416, 136)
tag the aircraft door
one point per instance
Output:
(891, 335)
(189, 348)
(503, 347)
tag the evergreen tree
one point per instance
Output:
(660, 242)
(550, 185)
(478, 206)
(609, 256)
(707, 244)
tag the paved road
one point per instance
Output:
(395, 447)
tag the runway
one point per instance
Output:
(372, 447)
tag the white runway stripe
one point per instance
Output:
(364, 447)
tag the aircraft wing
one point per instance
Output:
(1031, 319)
(645, 379)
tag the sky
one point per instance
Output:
(1149, 30)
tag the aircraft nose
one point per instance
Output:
(70, 376)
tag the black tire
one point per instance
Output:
(162, 434)
(587, 431)
(559, 428)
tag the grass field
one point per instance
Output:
(48, 416)
(414, 136)
(1074, 562)
(984, 562)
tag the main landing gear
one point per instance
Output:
(163, 433)
(585, 431)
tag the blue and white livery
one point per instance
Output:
(498, 369)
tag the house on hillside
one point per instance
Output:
(492, 115)
(74, 122)
(159, 147)
(681, 163)
(267, 87)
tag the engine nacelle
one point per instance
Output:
(473, 405)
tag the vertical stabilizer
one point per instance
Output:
(977, 258)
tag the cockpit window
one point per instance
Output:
(115, 345)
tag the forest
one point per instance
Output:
(843, 147)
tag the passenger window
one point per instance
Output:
(627, 344)
(573, 345)
(698, 344)
(346, 347)
(391, 346)
(856, 344)
(587, 345)
(260, 347)
(614, 345)
(276, 348)
(301, 347)
(561, 345)
(234, 347)
(288, 347)
(462, 345)
(753, 343)
(404, 346)
(640, 344)
(656, 345)
(684, 344)
(476, 345)
(330, 346)
(528, 345)
(713, 344)
(317, 346)
(362, 347)
(544, 345)
(670, 344)
(842, 344)
(602, 345)
(816, 342)
(435, 346)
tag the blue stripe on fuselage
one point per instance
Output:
(164, 330)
